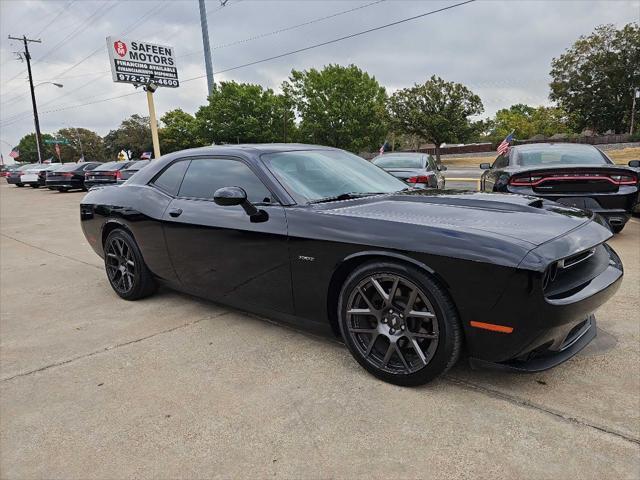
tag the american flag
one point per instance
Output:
(504, 146)
(145, 156)
(383, 147)
(15, 153)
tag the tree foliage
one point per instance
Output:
(527, 121)
(81, 141)
(339, 106)
(244, 113)
(133, 134)
(594, 79)
(437, 111)
(29, 150)
(179, 132)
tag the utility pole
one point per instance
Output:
(33, 94)
(208, 61)
(636, 94)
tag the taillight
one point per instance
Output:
(67, 174)
(117, 174)
(418, 179)
(624, 179)
(525, 181)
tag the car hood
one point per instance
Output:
(528, 219)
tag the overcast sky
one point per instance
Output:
(500, 49)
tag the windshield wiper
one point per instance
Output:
(345, 196)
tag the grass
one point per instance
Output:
(621, 157)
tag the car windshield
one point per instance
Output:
(398, 161)
(314, 175)
(110, 166)
(559, 155)
(138, 165)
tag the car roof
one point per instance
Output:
(250, 148)
(542, 146)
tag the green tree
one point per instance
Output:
(29, 150)
(179, 132)
(339, 106)
(81, 141)
(244, 113)
(133, 134)
(527, 121)
(437, 111)
(593, 81)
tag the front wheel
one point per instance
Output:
(20, 185)
(399, 324)
(128, 274)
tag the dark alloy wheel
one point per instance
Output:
(126, 270)
(398, 323)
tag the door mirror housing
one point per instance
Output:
(485, 166)
(442, 168)
(232, 196)
(634, 163)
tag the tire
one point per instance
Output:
(20, 185)
(63, 189)
(129, 282)
(34, 185)
(385, 336)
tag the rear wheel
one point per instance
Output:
(128, 274)
(63, 189)
(20, 185)
(398, 323)
(34, 185)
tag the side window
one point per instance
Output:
(205, 176)
(501, 162)
(169, 180)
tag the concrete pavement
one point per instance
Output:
(92, 386)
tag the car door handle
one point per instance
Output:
(176, 212)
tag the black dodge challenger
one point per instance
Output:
(572, 174)
(319, 237)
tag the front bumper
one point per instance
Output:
(578, 338)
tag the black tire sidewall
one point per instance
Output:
(142, 278)
(449, 342)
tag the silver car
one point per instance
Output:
(417, 169)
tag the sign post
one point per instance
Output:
(144, 64)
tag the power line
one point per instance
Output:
(274, 57)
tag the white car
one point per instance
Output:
(31, 176)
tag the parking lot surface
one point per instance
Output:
(92, 386)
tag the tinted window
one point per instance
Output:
(91, 166)
(69, 167)
(205, 176)
(111, 166)
(559, 155)
(501, 162)
(398, 161)
(138, 165)
(169, 180)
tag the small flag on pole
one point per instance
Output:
(503, 148)
(145, 156)
(15, 153)
(383, 148)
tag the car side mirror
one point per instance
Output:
(442, 168)
(485, 166)
(634, 163)
(232, 196)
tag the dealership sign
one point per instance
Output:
(140, 62)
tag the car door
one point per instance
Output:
(217, 251)
(489, 177)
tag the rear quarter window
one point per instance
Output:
(171, 177)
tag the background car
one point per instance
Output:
(128, 172)
(42, 174)
(31, 176)
(321, 237)
(572, 174)
(106, 174)
(13, 178)
(417, 169)
(6, 169)
(70, 176)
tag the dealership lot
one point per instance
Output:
(92, 386)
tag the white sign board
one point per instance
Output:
(140, 62)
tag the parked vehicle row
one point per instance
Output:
(71, 176)
(411, 279)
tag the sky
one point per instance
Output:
(500, 49)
